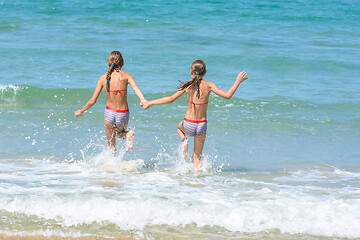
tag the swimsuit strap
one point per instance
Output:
(117, 91)
(194, 104)
(195, 121)
(117, 110)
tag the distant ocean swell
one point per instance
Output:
(278, 112)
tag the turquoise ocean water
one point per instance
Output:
(281, 159)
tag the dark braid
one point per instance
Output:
(108, 77)
(197, 82)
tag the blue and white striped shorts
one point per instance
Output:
(117, 118)
(194, 128)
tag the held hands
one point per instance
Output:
(145, 104)
(242, 76)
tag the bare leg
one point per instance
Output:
(121, 132)
(198, 147)
(110, 135)
(183, 138)
(129, 140)
(129, 135)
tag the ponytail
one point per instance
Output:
(195, 80)
(198, 70)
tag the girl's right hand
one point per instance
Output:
(78, 113)
(242, 76)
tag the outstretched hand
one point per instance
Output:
(78, 113)
(145, 104)
(242, 76)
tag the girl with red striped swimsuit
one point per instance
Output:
(116, 115)
(197, 91)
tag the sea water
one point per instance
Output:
(281, 158)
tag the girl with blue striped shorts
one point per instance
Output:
(117, 110)
(197, 91)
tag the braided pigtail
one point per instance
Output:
(108, 77)
(115, 61)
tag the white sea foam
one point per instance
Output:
(46, 233)
(106, 161)
(319, 175)
(101, 190)
(72, 194)
(326, 217)
(10, 87)
(8, 94)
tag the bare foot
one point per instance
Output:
(184, 149)
(196, 162)
(129, 141)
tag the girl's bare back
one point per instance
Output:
(197, 107)
(116, 97)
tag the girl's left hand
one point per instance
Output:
(78, 113)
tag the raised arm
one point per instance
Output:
(164, 100)
(92, 100)
(239, 79)
(136, 89)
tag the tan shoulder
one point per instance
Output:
(207, 83)
(126, 75)
(103, 78)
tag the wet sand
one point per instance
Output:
(41, 237)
